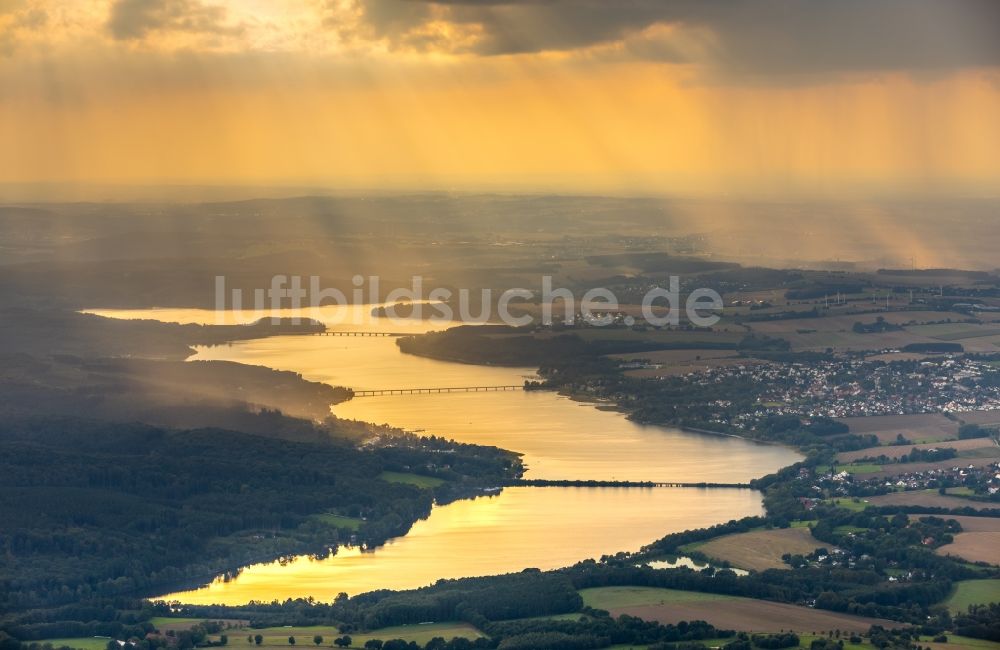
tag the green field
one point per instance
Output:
(277, 637)
(849, 504)
(956, 642)
(615, 597)
(83, 643)
(973, 592)
(411, 479)
(954, 331)
(160, 621)
(164, 623)
(340, 521)
(980, 452)
(806, 639)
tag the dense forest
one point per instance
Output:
(97, 509)
(520, 346)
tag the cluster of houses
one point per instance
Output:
(983, 481)
(855, 387)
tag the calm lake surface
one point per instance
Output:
(522, 527)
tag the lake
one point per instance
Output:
(522, 527)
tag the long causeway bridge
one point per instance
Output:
(541, 482)
(358, 333)
(377, 392)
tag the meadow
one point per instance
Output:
(973, 592)
(411, 479)
(760, 549)
(724, 612)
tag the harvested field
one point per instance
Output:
(976, 524)
(889, 357)
(898, 451)
(847, 340)
(984, 418)
(928, 499)
(837, 331)
(847, 321)
(922, 427)
(975, 546)
(727, 612)
(984, 344)
(761, 549)
(676, 356)
(956, 331)
(979, 540)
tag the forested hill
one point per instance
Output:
(93, 510)
(65, 363)
(50, 331)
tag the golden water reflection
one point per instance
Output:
(523, 527)
(545, 528)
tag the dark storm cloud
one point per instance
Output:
(134, 19)
(743, 36)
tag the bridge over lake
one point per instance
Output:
(376, 392)
(540, 482)
(359, 333)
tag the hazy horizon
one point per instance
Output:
(744, 99)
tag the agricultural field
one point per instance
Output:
(973, 592)
(80, 643)
(837, 322)
(679, 337)
(340, 521)
(165, 624)
(616, 597)
(984, 344)
(973, 524)
(761, 549)
(927, 498)
(806, 639)
(837, 331)
(982, 418)
(965, 448)
(919, 428)
(803, 340)
(412, 479)
(979, 540)
(850, 504)
(956, 642)
(974, 337)
(726, 612)
(889, 357)
(676, 356)
(277, 637)
(956, 331)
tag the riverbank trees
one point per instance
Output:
(94, 511)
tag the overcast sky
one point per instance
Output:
(716, 96)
